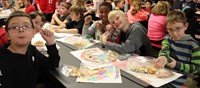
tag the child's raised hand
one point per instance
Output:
(37, 28)
(54, 16)
(172, 64)
(100, 27)
(160, 62)
(105, 37)
(110, 28)
(88, 19)
(48, 36)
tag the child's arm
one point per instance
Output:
(52, 61)
(38, 6)
(52, 20)
(72, 31)
(92, 29)
(133, 42)
(86, 25)
(165, 49)
(48, 36)
(194, 66)
(55, 19)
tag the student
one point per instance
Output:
(21, 62)
(136, 13)
(29, 7)
(76, 25)
(171, 4)
(47, 7)
(148, 7)
(38, 20)
(62, 17)
(157, 26)
(8, 4)
(20, 4)
(95, 28)
(119, 4)
(136, 40)
(96, 6)
(179, 51)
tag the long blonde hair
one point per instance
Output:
(161, 8)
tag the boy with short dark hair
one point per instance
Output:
(29, 7)
(21, 62)
(179, 50)
(76, 25)
(61, 15)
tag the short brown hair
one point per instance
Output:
(18, 14)
(78, 10)
(176, 16)
(66, 4)
(33, 15)
(137, 6)
(117, 1)
(161, 8)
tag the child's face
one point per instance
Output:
(119, 21)
(176, 30)
(27, 3)
(38, 23)
(148, 5)
(19, 2)
(104, 11)
(64, 11)
(24, 34)
(121, 4)
(74, 16)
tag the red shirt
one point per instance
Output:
(47, 6)
(149, 11)
(3, 38)
(29, 9)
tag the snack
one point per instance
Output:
(80, 43)
(113, 56)
(69, 70)
(100, 27)
(76, 72)
(39, 44)
(146, 69)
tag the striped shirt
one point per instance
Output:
(186, 52)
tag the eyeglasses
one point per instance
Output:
(17, 28)
(175, 30)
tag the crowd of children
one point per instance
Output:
(172, 35)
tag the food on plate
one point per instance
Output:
(163, 73)
(112, 55)
(69, 70)
(39, 44)
(146, 69)
(80, 43)
(76, 72)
